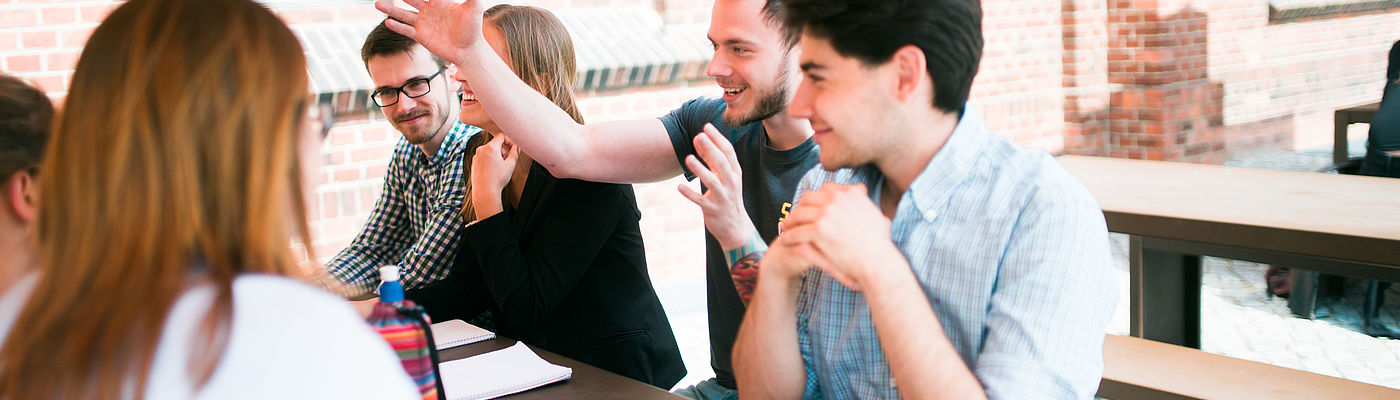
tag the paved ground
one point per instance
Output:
(1238, 318)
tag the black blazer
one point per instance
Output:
(566, 272)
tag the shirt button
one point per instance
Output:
(930, 215)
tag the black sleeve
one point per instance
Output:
(459, 296)
(528, 282)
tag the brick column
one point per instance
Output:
(1086, 76)
(1167, 109)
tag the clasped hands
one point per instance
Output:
(838, 229)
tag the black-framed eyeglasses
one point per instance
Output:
(414, 88)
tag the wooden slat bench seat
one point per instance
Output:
(1136, 368)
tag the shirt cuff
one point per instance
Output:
(490, 232)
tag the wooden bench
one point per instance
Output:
(1136, 368)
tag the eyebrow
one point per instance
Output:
(731, 42)
(810, 67)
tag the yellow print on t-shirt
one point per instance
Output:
(787, 208)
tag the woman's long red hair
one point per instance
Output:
(175, 159)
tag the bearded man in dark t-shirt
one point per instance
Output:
(753, 152)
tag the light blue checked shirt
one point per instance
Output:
(417, 221)
(1013, 254)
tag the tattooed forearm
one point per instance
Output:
(743, 265)
(745, 275)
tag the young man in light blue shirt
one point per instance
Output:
(949, 262)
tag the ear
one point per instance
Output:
(22, 196)
(451, 74)
(912, 69)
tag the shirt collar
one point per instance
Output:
(950, 166)
(452, 144)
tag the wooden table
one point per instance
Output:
(1343, 118)
(1176, 212)
(588, 382)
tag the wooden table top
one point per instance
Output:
(587, 382)
(1353, 218)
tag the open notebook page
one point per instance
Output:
(507, 371)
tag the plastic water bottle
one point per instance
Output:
(409, 332)
(390, 290)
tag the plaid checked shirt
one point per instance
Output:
(1013, 254)
(415, 224)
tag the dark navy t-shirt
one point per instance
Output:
(769, 177)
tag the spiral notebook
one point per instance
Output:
(449, 334)
(502, 372)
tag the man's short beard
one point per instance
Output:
(443, 120)
(428, 133)
(767, 106)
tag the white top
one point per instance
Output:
(289, 340)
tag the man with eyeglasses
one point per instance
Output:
(415, 224)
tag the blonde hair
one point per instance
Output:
(176, 157)
(541, 53)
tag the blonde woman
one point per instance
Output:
(172, 185)
(559, 263)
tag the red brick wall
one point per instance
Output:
(1291, 76)
(1167, 79)
(1210, 80)
(1019, 90)
(40, 41)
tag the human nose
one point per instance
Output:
(801, 105)
(719, 66)
(405, 103)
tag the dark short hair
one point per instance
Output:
(773, 14)
(383, 41)
(948, 31)
(25, 117)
